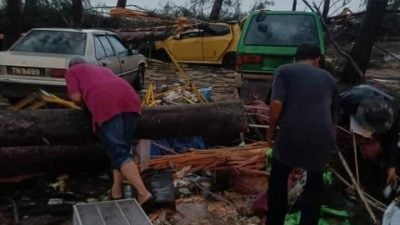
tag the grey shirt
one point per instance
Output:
(310, 100)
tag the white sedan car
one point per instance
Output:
(39, 59)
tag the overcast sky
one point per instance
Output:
(354, 5)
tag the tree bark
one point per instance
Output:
(362, 48)
(294, 5)
(77, 13)
(64, 159)
(121, 3)
(325, 11)
(12, 23)
(73, 127)
(29, 13)
(216, 9)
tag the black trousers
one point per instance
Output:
(278, 196)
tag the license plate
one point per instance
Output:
(29, 71)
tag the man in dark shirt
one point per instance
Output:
(372, 114)
(303, 104)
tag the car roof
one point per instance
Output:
(282, 12)
(75, 30)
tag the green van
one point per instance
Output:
(270, 39)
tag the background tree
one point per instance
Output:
(77, 13)
(362, 48)
(198, 7)
(29, 14)
(262, 4)
(394, 4)
(294, 5)
(121, 3)
(12, 22)
(325, 10)
(216, 9)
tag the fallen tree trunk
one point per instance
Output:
(73, 127)
(58, 159)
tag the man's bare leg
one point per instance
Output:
(116, 189)
(131, 172)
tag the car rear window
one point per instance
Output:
(57, 42)
(281, 30)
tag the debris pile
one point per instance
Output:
(185, 94)
(221, 82)
(198, 210)
(212, 186)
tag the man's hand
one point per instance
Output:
(270, 136)
(391, 176)
(275, 110)
(76, 98)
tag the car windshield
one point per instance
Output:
(57, 42)
(282, 30)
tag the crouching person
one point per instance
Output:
(115, 109)
(373, 116)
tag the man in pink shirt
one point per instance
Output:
(115, 109)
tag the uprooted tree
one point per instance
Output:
(362, 48)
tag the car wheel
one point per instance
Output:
(139, 80)
(229, 60)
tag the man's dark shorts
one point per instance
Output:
(117, 134)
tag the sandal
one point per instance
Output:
(112, 198)
(147, 205)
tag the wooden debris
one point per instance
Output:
(224, 83)
(250, 160)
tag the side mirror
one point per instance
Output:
(134, 52)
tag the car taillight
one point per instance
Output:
(57, 73)
(251, 59)
(238, 63)
(247, 59)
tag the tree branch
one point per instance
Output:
(335, 44)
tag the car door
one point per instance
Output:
(105, 54)
(217, 38)
(188, 46)
(129, 62)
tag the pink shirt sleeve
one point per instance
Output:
(72, 83)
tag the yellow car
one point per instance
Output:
(208, 43)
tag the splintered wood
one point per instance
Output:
(250, 159)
